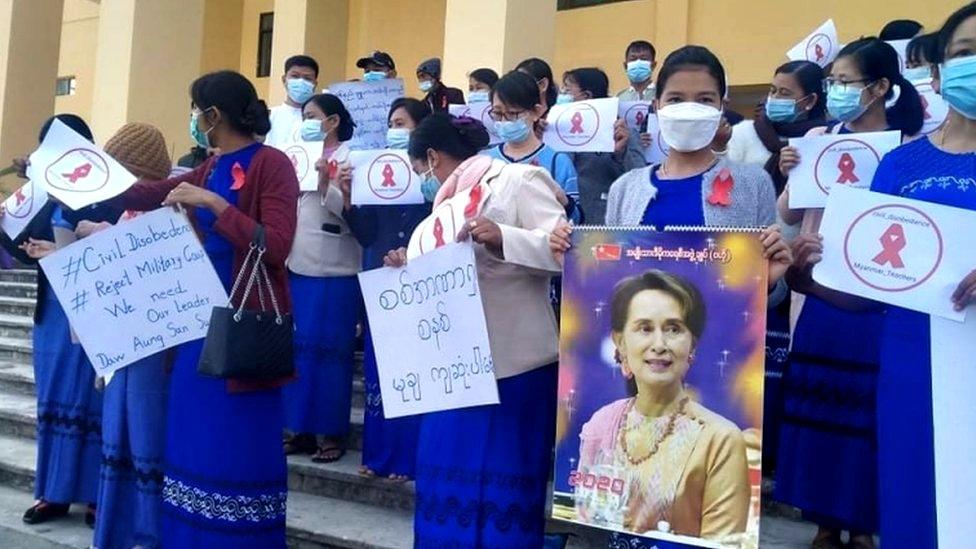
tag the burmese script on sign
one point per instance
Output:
(368, 104)
(136, 289)
(430, 334)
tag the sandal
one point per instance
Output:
(43, 511)
(328, 453)
(861, 541)
(299, 444)
(90, 516)
(827, 539)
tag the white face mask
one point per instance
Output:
(688, 126)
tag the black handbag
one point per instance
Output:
(250, 345)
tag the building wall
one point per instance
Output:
(222, 35)
(79, 37)
(249, 42)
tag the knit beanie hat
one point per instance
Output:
(141, 149)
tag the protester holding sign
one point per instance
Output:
(322, 266)
(795, 105)
(597, 171)
(389, 445)
(825, 408)
(224, 435)
(507, 210)
(69, 410)
(300, 78)
(516, 111)
(938, 168)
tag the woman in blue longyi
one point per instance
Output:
(939, 168)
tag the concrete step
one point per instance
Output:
(17, 378)
(342, 480)
(18, 289)
(18, 306)
(13, 349)
(18, 416)
(16, 326)
(19, 275)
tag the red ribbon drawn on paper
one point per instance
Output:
(237, 173)
(818, 50)
(892, 242)
(294, 161)
(639, 118)
(19, 195)
(925, 108)
(388, 177)
(722, 189)
(438, 233)
(846, 166)
(80, 172)
(577, 121)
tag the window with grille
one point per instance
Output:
(265, 30)
(65, 86)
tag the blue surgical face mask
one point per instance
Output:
(312, 130)
(513, 131)
(201, 138)
(564, 98)
(959, 85)
(426, 85)
(430, 185)
(299, 90)
(374, 76)
(638, 71)
(781, 110)
(844, 102)
(397, 138)
(917, 73)
(478, 96)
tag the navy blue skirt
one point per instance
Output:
(69, 412)
(389, 445)
(226, 480)
(482, 472)
(133, 437)
(326, 310)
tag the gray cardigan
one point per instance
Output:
(753, 197)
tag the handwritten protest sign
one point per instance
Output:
(429, 332)
(714, 376)
(934, 108)
(820, 47)
(368, 104)
(953, 347)
(841, 160)
(479, 111)
(135, 289)
(74, 170)
(908, 253)
(303, 155)
(582, 126)
(384, 177)
(21, 207)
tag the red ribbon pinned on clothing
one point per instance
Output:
(333, 169)
(438, 233)
(892, 242)
(722, 189)
(80, 172)
(925, 108)
(388, 176)
(237, 172)
(474, 200)
(819, 51)
(846, 166)
(577, 121)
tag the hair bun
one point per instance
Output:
(257, 117)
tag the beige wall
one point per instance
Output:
(311, 27)
(79, 35)
(249, 42)
(222, 40)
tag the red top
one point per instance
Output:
(268, 196)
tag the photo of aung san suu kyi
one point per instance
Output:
(660, 385)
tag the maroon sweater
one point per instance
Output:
(269, 197)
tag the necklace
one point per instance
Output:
(668, 430)
(665, 170)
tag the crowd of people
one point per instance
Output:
(855, 414)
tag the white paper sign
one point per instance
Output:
(429, 332)
(820, 47)
(479, 111)
(582, 126)
(303, 155)
(21, 207)
(384, 177)
(954, 419)
(634, 114)
(935, 108)
(908, 253)
(901, 47)
(658, 150)
(76, 171)
(135, 289)
(444, 223)
(369, 104)
(833, 159)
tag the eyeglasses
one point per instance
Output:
(498, 116)
(831, 82)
